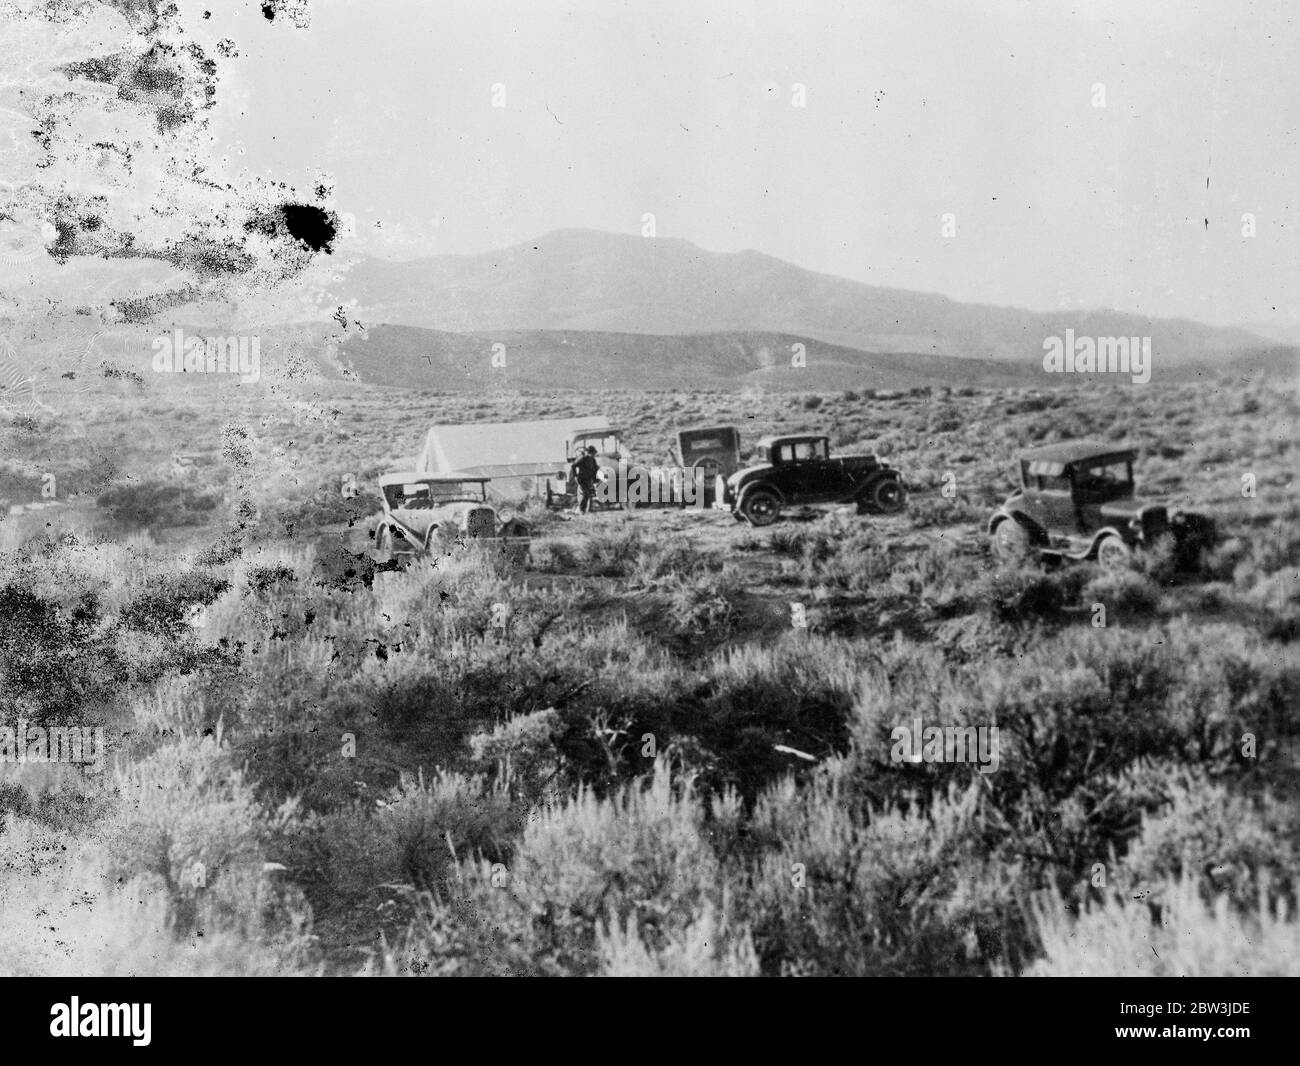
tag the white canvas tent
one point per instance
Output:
(505, 449)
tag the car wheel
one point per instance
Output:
(1113, 553)
(1010, 539)
(888, 496)
(761, 507)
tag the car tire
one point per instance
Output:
(761, 507)
(1010, 539)
(888, 496)
(1113, 553)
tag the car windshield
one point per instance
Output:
(420, 494)
(803, 449)
(604, 445)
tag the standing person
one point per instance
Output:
(587, 471)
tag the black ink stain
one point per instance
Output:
(313, 227)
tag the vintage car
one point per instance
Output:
(711, 450)
(798, 470)
(420, 510)
(607, 439)
(1077, 500)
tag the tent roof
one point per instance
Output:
(496, 448)
(411, 477)
(1073, 451)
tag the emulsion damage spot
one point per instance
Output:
(312, 226)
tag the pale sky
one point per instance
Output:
(914, 108)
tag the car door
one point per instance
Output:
(1055, 505)
(829, 478)
(787, 473)
(1098, 483)
(807, 475)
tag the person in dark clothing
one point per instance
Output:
(586, 470)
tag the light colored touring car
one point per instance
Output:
(421, 509)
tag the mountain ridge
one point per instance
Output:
(585, 279)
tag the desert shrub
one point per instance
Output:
(1079, 722)
(842, 555)
(610, 552)
(1235, 847)
(667, 557)
(57, 665)
(15, 800)
(523, 753)
(1158, 562)
(190, 820)
(1012, 595)
(1123, 593)
(427, 826)
(1121, 938)
(1278, 598)
(325, 506)
(707, 947)
(636, 860)
(157, 505)
(263, 579)
(891, 893)
(129, 928)
(793, 693)
(937, 574)
(702, 606)
(1221, 562)
(638, 856)
(553, 557)
(788, 540)
(227, 547)
(928, 511)
(1181, 695)
(828, 538)
(1265, 551)
(164, 605)
(15, 485)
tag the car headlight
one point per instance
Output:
(505, 515)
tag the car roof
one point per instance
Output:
(767, 442)
(412, 477)
(1074, 451)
